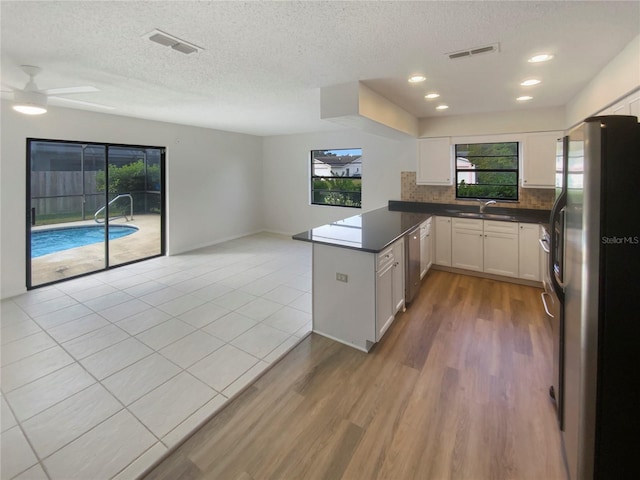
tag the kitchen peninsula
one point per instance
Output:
(359, 263)
(358, 274)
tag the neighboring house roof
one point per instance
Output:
(462, 162)
(338, 160)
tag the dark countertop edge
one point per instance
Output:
(302, 236)
(524, 215)
(339, 245)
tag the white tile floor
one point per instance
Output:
(102, 374)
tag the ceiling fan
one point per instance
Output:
(33, 101)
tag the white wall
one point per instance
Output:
(495, 123)
(616, 80)
(214, 178)
(286, 184)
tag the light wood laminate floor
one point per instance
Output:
(457, 388)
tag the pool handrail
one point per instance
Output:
(101, 209)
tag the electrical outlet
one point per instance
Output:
(342, 277)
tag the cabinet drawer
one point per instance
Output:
(500, 227)
(467, 224)
(425, 228)
(384, 258)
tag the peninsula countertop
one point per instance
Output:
(371, 231)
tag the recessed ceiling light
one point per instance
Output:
(543, 57)
(524, 98)
(442, 107)
(417, 78)
(530, 82)
(431, 96)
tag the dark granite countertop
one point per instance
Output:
(369, 232)
(524, 215)
(375, 230)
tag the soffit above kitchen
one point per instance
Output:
(260, 66)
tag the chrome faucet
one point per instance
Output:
(484, 205)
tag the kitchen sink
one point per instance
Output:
(487, 216)
(497, 216)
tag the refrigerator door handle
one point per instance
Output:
(544, 304)
(561, 284)
(558, 215)
(545, 245)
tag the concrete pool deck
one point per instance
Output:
(76, 261)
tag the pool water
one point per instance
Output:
(53, 240)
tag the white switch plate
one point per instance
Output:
(342, 277)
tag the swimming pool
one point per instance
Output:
(53, 240)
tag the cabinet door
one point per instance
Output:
(398, 276)
(634, 106)
(434, 162)
(539, 160)
(529, 251)
(443, 241)
(384, 300)
(466, 249)
(501, 254)
(424, 254)
(429, 250)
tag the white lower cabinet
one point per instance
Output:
(529, 251)
(466, 244)
(389, 286)
(384, 300)
(426, 248)
(356, 294)
(507, 249)
(501, 248)
(397, 287)
(443, 241)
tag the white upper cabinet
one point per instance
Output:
(629, 105)
(435, 166)
(539, 160)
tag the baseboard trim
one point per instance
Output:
(489, 276)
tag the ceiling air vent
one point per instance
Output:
(182, 46)
(474, 51)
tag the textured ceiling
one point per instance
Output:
(264, 62)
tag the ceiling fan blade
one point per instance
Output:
(69, 90)
(81, 102)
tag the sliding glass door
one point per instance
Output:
(135, 201)
(91, 207)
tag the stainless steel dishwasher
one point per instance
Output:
(412, 267)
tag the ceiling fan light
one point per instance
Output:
(29, 109)
(30, 103)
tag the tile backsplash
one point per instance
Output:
(536, 198)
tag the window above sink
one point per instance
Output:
(487, 171)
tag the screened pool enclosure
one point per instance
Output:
(95, 186)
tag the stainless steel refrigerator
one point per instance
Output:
(552, 242)
(597, 261)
